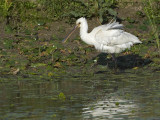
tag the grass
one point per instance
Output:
(55, 9)
(152, 11)
(5, 6)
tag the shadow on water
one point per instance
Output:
(123, 62)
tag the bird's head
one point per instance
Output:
(79, 23)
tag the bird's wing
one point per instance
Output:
(110, 37)
(111, 25)
(112, 34)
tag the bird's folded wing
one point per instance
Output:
(115, 37)
(111, 37)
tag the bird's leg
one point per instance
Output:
(115, 60)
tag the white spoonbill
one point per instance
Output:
(108, 38)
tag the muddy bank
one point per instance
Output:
(36, 48)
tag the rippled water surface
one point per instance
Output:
(128, 95)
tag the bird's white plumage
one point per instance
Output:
(109, 38)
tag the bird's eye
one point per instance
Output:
(79, 23)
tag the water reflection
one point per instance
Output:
(110, 108)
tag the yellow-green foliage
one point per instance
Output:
(152, 11)
(5, 5)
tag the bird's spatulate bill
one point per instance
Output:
(66, 38)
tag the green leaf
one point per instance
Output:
(8, 29)
(101, 18)
(75, 14)
(112, 12)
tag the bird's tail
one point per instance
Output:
(133, 38)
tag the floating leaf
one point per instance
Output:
(54, 115)
(50, 74)
(61, 96)
(117, 103)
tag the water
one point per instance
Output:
(102, 96)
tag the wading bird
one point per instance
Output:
(108, 38)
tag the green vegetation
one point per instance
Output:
(30, 40)
(55, 9)
(5, 6)
(152, 11)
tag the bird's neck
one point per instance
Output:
(84, 29)
(84, 33)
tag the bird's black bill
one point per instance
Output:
(66, 38)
